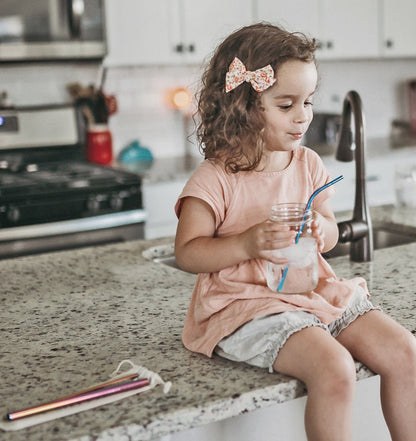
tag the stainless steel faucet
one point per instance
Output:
(358, 230)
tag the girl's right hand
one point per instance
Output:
(261, 239)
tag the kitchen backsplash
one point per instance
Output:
(144, 114)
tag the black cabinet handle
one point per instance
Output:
(179, 48)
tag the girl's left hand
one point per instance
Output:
(318, 234)
(324, 227)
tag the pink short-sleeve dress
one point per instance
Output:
(223, 301)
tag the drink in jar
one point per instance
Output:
(300, 273)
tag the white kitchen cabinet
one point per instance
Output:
(167, 32)
(140, 32)
(207, 23)
(344, 28)
(284, 421)
(159, 200)
(349, 28)
(295, 15)
(380, 177)
(170, 31)
(399, 30)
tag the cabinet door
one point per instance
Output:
(294, 15)
(207, 23)
(159, 201)
(399, 36)
(141, 31)
(343, 28)
(350, 28)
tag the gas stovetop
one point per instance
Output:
(56, 191)
(59, 177)
(51, 197)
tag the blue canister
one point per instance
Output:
(136, 156)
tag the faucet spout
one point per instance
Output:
(358, 230)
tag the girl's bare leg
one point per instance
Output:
(328, 371)
(389, 350)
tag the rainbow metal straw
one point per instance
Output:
(308, 205)
(112, 387)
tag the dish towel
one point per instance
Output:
(142, 372)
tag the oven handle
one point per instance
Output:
(73, 226)
(76, 10)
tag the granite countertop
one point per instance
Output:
(68, 318)
(163, 169)
(181, 167)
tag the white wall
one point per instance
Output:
(40, 83)
(144, 114)
(380, 83)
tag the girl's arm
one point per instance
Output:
(197, 250)
(324, 227)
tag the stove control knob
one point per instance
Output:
(13, 214)
(93, 204)
(116, 201)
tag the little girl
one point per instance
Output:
(254, 108)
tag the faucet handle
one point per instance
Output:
(349, 231)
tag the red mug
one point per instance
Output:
(99, 144)
(112, 105)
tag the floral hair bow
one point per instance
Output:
(260, 79)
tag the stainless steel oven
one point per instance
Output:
(51, 30)
(51, 198)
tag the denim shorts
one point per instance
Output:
(258, 341)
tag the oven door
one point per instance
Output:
(71, 234)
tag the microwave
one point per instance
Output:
(35, 30)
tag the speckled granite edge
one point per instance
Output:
(214, 411)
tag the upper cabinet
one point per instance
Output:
(295, 15)
(163, 32)
(139, 32)
(344, 29)
(206, 23)
(349, 28)
(399, 30)
(170, 31)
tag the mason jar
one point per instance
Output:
(300, 273)
(99, 144)
(405, 185)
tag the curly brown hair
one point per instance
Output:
(231, 124)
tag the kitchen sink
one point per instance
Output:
(167, 260)
(385, 235)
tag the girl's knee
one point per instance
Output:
(338, 375)
(409, 347)
(404, 358)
